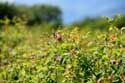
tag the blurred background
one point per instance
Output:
(81, 13)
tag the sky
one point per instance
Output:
(75, 10)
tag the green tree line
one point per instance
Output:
(36, 14)
(101, 22)
(47, 14)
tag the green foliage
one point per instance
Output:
(67, 56)
(8, 10)
(40, 14)
(101, 23)
(94, 23)
(37, 14)
(45, 13)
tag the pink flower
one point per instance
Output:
(59, 58)
(99, 80)
(58, 36)
(109, 78)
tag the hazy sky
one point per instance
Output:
(74, 10)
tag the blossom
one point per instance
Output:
(58, 36)
(113, 38)
(115, 62)
(109, 78)
(99, 80)
(59, 58)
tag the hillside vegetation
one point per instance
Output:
(66, 55)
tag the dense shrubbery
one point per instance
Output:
(7, 10)
(67, 56)
(101, 23)
(37, 14)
